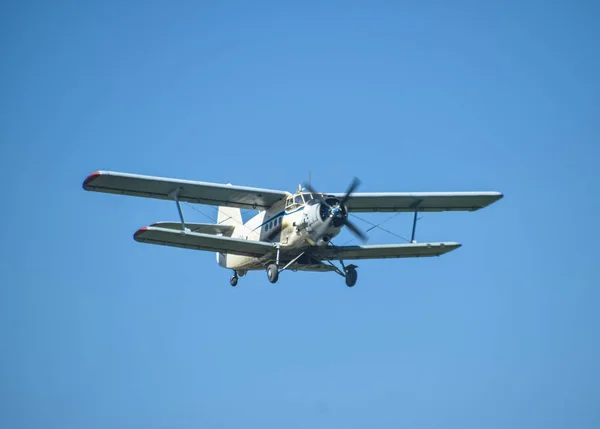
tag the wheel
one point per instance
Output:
(233, 280)
(273, 273)
(351, 276)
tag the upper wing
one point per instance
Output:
(380, 251)
(197, 241)
(419, 201)
(190, 191)
(202, 228)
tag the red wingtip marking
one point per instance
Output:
(90, 178)
(139, 231)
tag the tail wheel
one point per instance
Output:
(233, 281)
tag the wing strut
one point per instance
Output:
(414, 228)
(175, 195)
(415, 219)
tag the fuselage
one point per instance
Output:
(298, 222)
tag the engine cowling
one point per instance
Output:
(316, 216)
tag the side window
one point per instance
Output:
(298, 199)
(290, 204)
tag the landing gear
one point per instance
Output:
(273, 273)
(233, 281)
(347, 272)
(351, 276)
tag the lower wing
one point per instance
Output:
(198, 241)
(382, 251)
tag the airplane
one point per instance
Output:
(291, 231)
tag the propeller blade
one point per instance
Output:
(316, 194)
(351, 189)
(355, 229)
(310, 188)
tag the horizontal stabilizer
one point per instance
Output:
(197, 241)
(202, 228)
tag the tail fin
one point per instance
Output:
(230, 216)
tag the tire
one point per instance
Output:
(351, 277)
(233, 281)
(273, 273)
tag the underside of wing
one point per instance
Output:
(189, 191)
(197, 241)
(202, 228)
(383, 251)
(420, 201)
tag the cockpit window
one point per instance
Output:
(308, 197)
(298, 199)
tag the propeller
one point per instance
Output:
(336, 211)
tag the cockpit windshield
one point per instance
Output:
(298, 200)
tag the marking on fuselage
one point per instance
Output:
(278, 215)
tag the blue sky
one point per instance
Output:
(99, 331)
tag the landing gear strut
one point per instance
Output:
(273, 269)
(347, 272)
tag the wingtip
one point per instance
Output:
(139, 232)
(88, 180)
(452, 244)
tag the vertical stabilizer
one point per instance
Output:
(228, 216)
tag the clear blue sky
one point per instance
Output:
(98, 331)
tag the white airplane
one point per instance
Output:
(290, 231)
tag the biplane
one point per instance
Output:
(291, 231)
